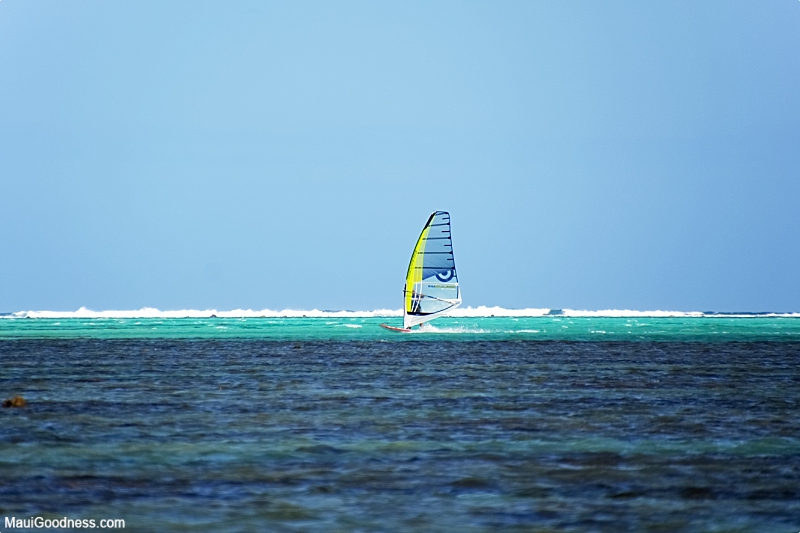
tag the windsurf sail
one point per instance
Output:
(431, 282)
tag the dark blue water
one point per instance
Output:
(259, 435)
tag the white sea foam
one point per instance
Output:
(448, 330)
(462, 312)
(150, 312)
(628, 313)
(484, 311)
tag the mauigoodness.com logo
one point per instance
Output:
(38, 522)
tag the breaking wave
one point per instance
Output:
(151, 312)
(464, 312)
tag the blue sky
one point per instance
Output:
(593, 155)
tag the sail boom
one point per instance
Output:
(414, 320)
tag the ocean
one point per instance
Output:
(531, 420)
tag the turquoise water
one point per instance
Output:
(695, 329)
(574, 424)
